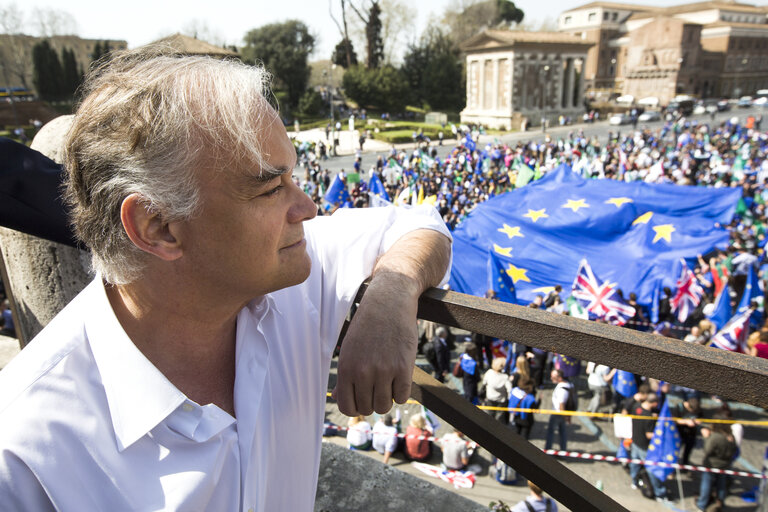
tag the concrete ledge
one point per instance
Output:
(352, 481)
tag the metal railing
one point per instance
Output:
(735, 376)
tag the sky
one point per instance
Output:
(141, 21)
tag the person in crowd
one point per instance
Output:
(470, 369)
(359, 433)
(642, 432)
(689, 414)
(207, 333)
(442, 354)
(522, 370)
(456, 450)
(497, 385)
(523, 396)
(385, 437)
(757, 343)
(559, 422)
(719, 451)
(599, 383)
(418, 446)
(536, 501)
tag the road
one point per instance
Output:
(600, 130)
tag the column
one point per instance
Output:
(571, 83)
(495, 102)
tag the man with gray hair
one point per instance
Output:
(191, 373)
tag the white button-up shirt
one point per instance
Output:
(88, 423)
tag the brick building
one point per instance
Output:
(705, 49)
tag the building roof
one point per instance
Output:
(701, 6)
(735, 24)
(190, 46)
(615, 5)
(726, 6)
(496, 38)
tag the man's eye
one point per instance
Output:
(273, 192)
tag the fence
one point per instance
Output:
(735, 376)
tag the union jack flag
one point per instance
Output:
(733, 336)
(599, 298)
(688, 294)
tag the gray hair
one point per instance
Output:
(148, 122)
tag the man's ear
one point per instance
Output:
(148, 230)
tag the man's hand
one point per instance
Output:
(379, 349)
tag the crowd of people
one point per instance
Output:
(683, 152)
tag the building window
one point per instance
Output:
(614, 16)
(606, 15)
(592, 16)
(567, 20)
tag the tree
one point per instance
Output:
(434, 71)
(343, 31)
(311, 103)
(284, 49)
(15, 56)
(71, 74)
(53, 22)
(344, 53)
(384, 89)
(398, 25)
(100, 50)
(374, 43)
(465, 22)
(47, 74)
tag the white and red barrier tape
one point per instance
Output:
(592, 456)
(611, 458)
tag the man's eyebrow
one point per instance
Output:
(268, 173)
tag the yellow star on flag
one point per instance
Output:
(618, 201)
(511, 232)
(576, 204)
(544, 289)
(535, 215)
(517, 274)
(643, 219)
(663, 231)
(504, 251)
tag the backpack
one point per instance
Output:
(503, 473)
(571, 403)
(531, 509)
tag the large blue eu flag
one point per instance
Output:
(633, 234)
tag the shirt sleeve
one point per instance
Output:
(345, 246)
(20, 489)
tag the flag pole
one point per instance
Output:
(680, 482)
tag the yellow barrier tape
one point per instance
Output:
(753, 423)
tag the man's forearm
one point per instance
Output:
(378, 352)
(421, 257)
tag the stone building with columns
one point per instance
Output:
(514, 76)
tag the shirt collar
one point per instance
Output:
(138, 394)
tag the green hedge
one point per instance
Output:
(403, 135)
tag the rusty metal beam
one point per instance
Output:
(735, 376)
(560, 482)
